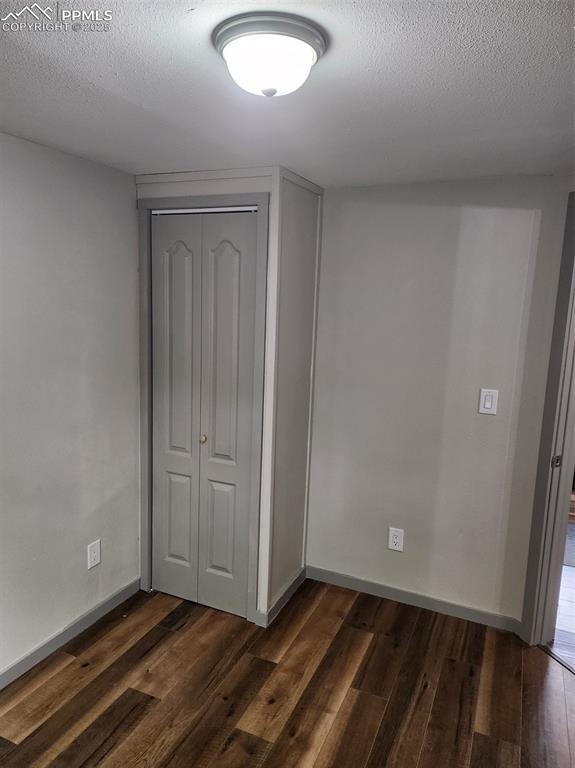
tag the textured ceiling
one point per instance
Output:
(408, 90)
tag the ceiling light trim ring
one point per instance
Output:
(270, 23)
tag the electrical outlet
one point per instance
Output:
(94, 553)
(395, 540)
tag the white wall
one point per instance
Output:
(299, 213)
(427, 293)
(68, 390)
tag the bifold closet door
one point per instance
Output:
(228, 330)
(203, 310)
(176, 382)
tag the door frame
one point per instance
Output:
(553, 483)
(145, 208)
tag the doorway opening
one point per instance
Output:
(549, 607)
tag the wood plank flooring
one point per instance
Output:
(340, 680)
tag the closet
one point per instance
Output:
(203, 337)
(228, 287)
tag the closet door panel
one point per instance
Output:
(228, 316)
(176, 339)
(223, 265)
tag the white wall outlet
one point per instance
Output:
(94, 553)
(395, 540)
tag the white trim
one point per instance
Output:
(312, 378)
(219, 209)
(204, 187)
(295, 178)
(264, 619)
(464, 612)
(266, 171)
(282, 595)
(269, 412)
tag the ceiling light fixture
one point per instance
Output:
(269, 54)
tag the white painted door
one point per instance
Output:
(203, 275)
(176, 377)
(228, 318)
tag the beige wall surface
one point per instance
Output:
(428, 293)
(297, 288)
(68, 390)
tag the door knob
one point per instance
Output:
(203, 439)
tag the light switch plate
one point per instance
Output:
(488, 401)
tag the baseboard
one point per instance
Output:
(39, 653)
(413, 598)
(283, 596)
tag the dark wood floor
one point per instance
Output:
(341, 679)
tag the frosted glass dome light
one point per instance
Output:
(269, 54)
(269, 65)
